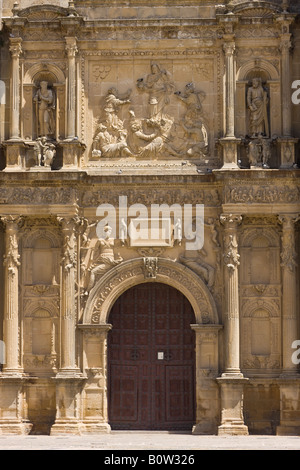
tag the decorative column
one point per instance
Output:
(72, 148)
(207, 368)
(12, 419)
(290, 378)
(68, 296)
(229, 142)
(290, 331)
(15, 50)
(95, 413)
(69, 378)
(11, 296)
(286, 142)
(232, 380)
(71, 49)
(14, 146)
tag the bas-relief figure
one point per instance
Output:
(157, 134)
(159, 86)
(102, 257)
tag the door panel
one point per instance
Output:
(151, 351)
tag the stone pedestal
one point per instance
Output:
(287, 151)
(289, 407)
(15, 155)
(68, 405)
(230, 153)
(14, 419)
(232, 396)
(207, 393)
(94, 399)
(72, 152)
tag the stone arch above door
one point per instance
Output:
(132, 272)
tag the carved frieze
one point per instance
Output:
(29, 195)
(263, 194)
(148, 196)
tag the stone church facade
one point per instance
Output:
(110, 110)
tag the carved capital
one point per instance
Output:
(230, 221)
(229, 48)
(15, 47)
(285, 43)
(71, 47)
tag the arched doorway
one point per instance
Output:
(151, 360)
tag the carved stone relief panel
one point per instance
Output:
(158, 110)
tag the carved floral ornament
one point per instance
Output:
(133, 272)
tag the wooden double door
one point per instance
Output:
(151, 360)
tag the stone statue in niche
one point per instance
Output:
(44, 152)
(196, 136)
(44, 100)
(102, 257)
(257, 102)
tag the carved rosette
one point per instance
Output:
(231, 255)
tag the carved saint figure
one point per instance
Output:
(193, 101)
(196, 136)
(113, 103)
(159, 86)
(103, 257)
(45, 106)
(257, 101)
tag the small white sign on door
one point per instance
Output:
(160, 355)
